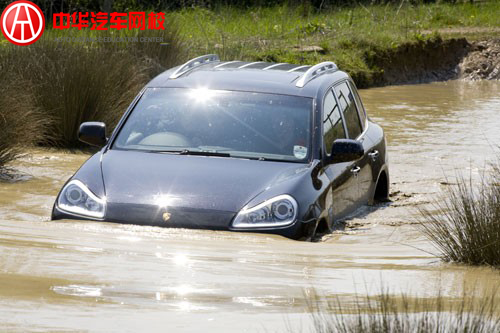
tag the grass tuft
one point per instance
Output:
(465, 224)
(401, 314)
(21, 124)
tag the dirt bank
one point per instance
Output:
(434, 59)
(428, 60)
(482, 61)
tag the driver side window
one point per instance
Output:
(333, 127)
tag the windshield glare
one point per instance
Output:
(241, 124)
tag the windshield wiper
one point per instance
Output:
(262, 158)
(193, 152)
(203, 153)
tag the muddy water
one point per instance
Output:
(82, 276)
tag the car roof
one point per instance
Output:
(260, 76)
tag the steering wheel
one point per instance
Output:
(171, 139)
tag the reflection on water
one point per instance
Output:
(85, 276)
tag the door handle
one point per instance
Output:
(355, 170)
(373, 155)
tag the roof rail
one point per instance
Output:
(226, 63)
(250, 64)
(205, 59)
(297, 68)
(274, 65)
(316, 71)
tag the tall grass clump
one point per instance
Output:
(72, 82)
(404, 314)
(21, 124)
(70, 85)
(465, 224)
(20, 127)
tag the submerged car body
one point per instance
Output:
(260, 147)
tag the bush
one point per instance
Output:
(465, 224)
(72, 82)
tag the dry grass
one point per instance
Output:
(464, 225)
(21, 125)
(401, 314)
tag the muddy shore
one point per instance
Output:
(434, 59)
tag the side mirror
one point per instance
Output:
(93, 133)
(346, 150)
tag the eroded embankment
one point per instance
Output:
(482, 62)
(434, 59)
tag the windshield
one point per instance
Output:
(211, 122)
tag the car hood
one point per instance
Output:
(194, 182)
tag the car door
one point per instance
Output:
(361, 169)
(341, 179)
(365, 177)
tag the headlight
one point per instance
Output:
(76, 198)
(276, 212)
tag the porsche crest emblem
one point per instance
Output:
(166, 216)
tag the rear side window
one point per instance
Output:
(348, 108)
(333, 127)
(362, 113)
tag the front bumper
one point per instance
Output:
(175, 217)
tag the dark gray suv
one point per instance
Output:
(233, 145)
